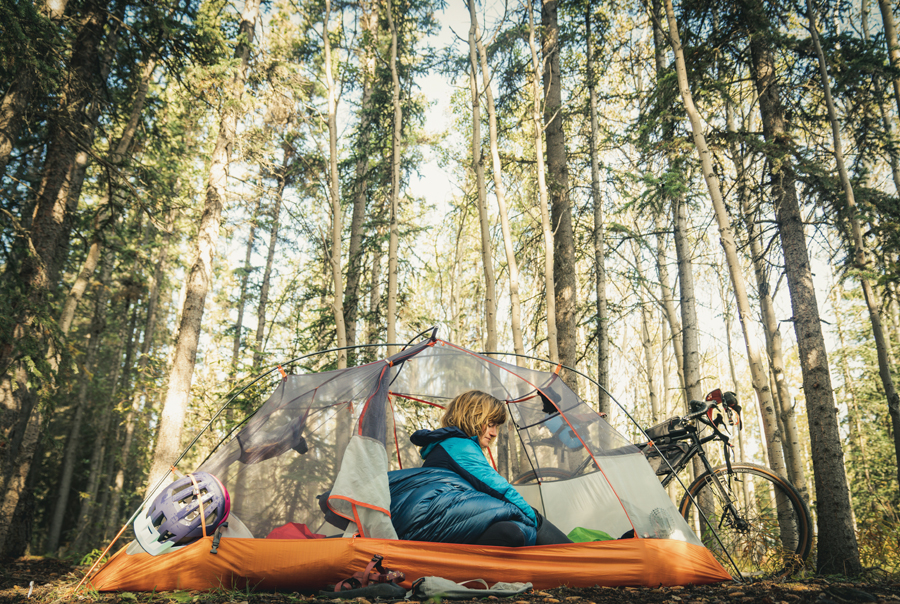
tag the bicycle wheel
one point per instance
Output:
(771, 533)
(542, 474)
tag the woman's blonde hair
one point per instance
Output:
(472, 411)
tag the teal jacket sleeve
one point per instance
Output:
(464, 456)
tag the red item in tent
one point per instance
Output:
(293, 530)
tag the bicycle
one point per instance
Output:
(764, 527)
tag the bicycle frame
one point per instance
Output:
(695, 447)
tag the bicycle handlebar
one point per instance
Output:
(701, 406)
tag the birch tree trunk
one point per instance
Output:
(860, 254)
(490, 296)
(397, 129)
(174, 407)
(837, 547)
(337, 274)
(564, 270)
(538, 125)
(515, 309)
(598, 234)
(784, 398)
(726, 238)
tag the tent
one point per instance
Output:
(325, 442)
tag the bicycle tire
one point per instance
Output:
(541, 474)
(755, 539)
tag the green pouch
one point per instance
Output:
(581, 535)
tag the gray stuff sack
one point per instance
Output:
(438, 587)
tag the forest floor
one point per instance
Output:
(48, 580)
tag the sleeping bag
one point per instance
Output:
(456, 496)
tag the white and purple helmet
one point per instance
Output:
(172, 520)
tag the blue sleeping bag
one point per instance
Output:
(436, 504)
(456, 495)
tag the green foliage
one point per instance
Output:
(93, 556)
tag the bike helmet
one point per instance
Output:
(173, 518)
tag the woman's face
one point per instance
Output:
(488, 434)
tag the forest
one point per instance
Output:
(668, 197)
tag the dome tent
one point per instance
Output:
(325, 442)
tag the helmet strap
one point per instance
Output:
(200, 501)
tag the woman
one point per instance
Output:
(456, 496)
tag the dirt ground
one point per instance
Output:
(48, 580)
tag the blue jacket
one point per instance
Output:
(456, 495)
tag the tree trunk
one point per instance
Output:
(12, 109)
(73, 442)
(22, 440)
(723, 291)
(726, 238)
(537, 122)
(118, 485)
(646, 342)
(668, 297)
(837, 549)
(139, 395)
(374, 323)
(259, 337)
(490, 297)
(894, 309)
(860, 254)
(369, 25)
(784, 399)
(598, 234)
(396, 139)
(174, 408)
(242, 296)
(668, 301)
(515, 306)
(858, 454)
(564, 270)
(18, 96)
(38, 269)
(893, 47)
(337, 275)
